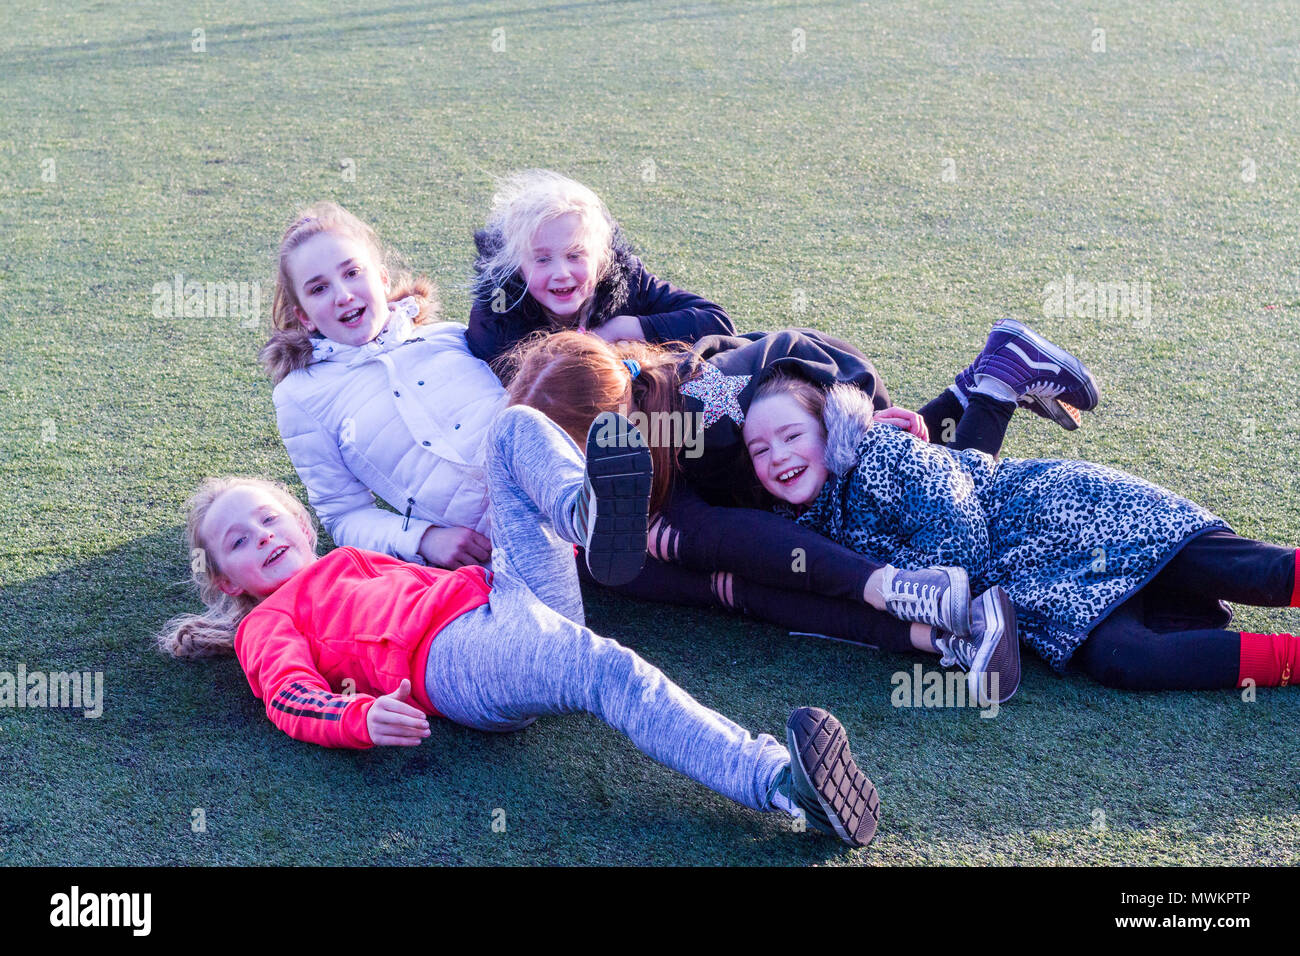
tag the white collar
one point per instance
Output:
(399, 330)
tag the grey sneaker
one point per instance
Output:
(939, 597)
(990, 656)
(824, 781)
(612, 513)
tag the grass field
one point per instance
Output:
(901, 175)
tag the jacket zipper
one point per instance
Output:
(406, 523)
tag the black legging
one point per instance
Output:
(760, 546)
(1143, 644)
(800, 611)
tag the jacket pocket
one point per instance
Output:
(384, 658)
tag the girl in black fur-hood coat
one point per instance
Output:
(504, 311)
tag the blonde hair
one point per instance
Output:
(212, 633)
(290, 345)
(524, 202)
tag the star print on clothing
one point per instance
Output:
(718, 392)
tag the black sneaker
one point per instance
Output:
(825, 782)
(612, 513)
(937, 596)
(992, 650)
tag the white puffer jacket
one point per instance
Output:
(403, 418)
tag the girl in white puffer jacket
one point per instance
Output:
(378, 399)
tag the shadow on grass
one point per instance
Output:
(1068, 770)
(183, 766)
(185, 743)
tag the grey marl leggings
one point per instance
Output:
(526, 653)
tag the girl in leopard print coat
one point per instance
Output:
(1123, 577)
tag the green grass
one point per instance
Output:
(778, 177)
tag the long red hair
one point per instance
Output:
(571, 377)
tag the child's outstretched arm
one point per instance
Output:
(666, 313)
(278, 663)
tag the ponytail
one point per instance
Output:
(571, 377)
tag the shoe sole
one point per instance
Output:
(617, 487)
(1058, 355)
(1063, 413)
(999, 609)
(847, 797)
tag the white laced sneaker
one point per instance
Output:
(936, 596)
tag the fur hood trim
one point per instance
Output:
(848, 415)
(607, 301)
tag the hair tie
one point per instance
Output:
(633, 367)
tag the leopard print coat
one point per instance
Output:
(1069, 540)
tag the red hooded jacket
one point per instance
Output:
(344, 630)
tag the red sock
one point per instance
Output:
(1295, 591)
(1270, 660)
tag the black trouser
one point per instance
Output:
(1151, 641)
(761, 547)
(781, 572)
(981, 425)
(801, 611)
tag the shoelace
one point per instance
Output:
(920, 601)
(956, 651)
(1043, 389)
(1042, 394)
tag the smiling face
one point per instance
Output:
(341, 290)
(561, 266)
(256, 542)
(787, 445)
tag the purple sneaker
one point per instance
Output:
(965, 382)
(1040, 403)
(1046, 379)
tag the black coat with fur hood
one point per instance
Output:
(667, 313)
(720, 471)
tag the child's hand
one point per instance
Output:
(454, 547)
(620, 328)
(392, 722)
(908, 421)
